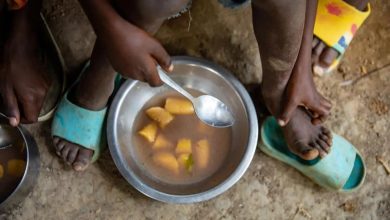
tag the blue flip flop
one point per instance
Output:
(81, 126)
(343, 169)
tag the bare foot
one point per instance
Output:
(294, 83)
(92, 92)
(305, 139)
(322, 55)
(300, 89)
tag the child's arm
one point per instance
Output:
(131, 51)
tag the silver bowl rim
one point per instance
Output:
(28, 161)
(210, 193)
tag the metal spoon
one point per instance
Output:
(209, 109)
(5, 146)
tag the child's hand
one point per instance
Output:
(301, 91)
(23, 86)
(135, 54)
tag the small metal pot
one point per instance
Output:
(208, 78)
(9, 134)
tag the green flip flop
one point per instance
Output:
(343, 169)
(81, 126)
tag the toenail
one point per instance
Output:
(318, 70)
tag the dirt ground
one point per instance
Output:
(269, 189)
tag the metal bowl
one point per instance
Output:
(30, 154)
(206, 77)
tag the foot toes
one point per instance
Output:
(61, 144)
(314, 42)
(65, 151)
(323, 145)
(72, 155)
(82, 160)
(327, 57)
(307, 152)
(317, 121)
(325, 138)
(321, 152)
(318, 49)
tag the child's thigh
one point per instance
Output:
(150, 9)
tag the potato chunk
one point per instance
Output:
(202, 151)
(149, 132)
(1, 171)
(183, 146)
(160, 115)
(161, 143)
(16, 167)
(179, 106)
(186, 161)
(167, 161)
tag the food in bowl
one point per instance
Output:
(12, 168)
(174, 146)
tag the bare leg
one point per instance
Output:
(279, 27)
(146, 14)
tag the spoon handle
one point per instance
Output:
(167, 80)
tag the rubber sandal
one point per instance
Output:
(234, 3)
(81, 126)
(343, 169)
(336, 24)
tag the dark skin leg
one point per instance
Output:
(286, 33)
(301, 90)
(101, 74)
(23, 81)
(323, 56)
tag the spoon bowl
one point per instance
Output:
(213, 112)
(209, 109)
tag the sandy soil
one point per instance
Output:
(269, 189)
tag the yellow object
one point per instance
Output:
(186, 161)
(183, 146)
(16, 168)
(336, 24)
(167, 161)
(202, 151)
(160, 115)
(161, 143)
(149, 132)
(1, 171)
(179, 106)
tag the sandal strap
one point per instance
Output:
(80, 126)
